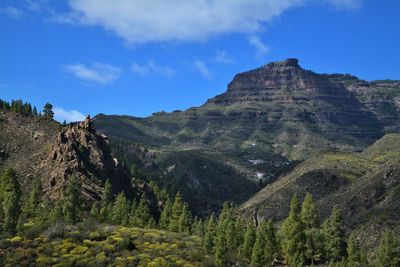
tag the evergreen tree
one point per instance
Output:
(311, 223)
(35, 112)
(185, 220)
(120, 210)
(334, 237)
(107, 197)
(94, 210)
(266, 245)
(142, 215)
(166, 215)
(106, 202)
(50, 211)
(221, 247)
(209, 237)
(239, 231)
(388, 254)
(355, 256)
(293, 237)
(72, 199)
(257, 255)
(11, 197)
(21, 221)
(48, 111)
(34, 200)
(249, 241)
(198, 227)
(271, 242)
(227, 235)
(132, 213)
(177, 208)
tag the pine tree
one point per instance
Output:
(239, 231)
(293, 237)
(35, 112)
(166, 215)
(50, 211)
(209, 237)
(271, 243)
(72, 199)
(249, 241)
(334, 236)
(185, 220)
(94, 210)
(48, 111)
(221, 247)
(11, 197)
(107, 197)
(311, 222)
(120, 210)
(177, 208)
(106, 202)
(198, 227)
(21, 221)
(355, 256)
(34, 200)
(388, 254)
(132, 213)
(142, 215)
(265, 246)
(257, 255)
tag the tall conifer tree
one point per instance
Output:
(293, 237)
(334, 236)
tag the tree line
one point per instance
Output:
(25, 108)
(300, 240)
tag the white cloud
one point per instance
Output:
(201, 67)
(261, 48)
(61, 114)
(142, 21)
(152, 68)
(100, 73)
(222, 57)
(11, 12)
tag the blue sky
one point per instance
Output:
(138, 57)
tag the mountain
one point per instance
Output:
(364, 185)
(268, 119)
(40, 148)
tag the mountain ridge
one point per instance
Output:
(266, 120)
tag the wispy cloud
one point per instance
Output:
(11, 11)
(200, 67)
(262, 49)
(33, 5)
(152, 68)
(346, 4)
(99, 73)
(222, 57)
(61, 114)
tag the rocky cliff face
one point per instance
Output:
(82, 151)
(39, 148)
(302, 94)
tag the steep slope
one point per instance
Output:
(267, 119)
(281, 107)
(363, 186)
(39, 148)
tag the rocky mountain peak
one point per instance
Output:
(82, 151)
(289, 62)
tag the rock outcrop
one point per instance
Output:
(82, 151)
